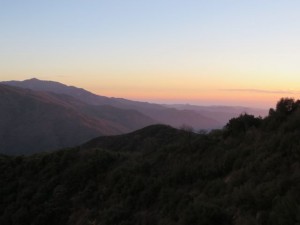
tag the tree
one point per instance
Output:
(242, 123)
(286, 105)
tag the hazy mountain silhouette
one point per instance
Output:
(56, 87)
(32, 121)
(221, 114)
(162, 114)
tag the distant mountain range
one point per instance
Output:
(41, 115)
(222, 114)
(159, 113)
(31, 121)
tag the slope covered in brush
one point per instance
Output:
(247, 173)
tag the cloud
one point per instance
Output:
(262, 91)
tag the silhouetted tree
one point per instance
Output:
(286, 105)
(242, 123)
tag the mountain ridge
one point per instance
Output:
(33, 121)
(77, 109)
(174, 115)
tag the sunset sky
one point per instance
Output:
(224, 52)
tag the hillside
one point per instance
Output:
(198, 117)
(56, 87)
(247, 173)
(159, 113)
(33, 121)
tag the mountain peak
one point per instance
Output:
(32, 79)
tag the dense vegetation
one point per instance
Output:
(246, 173)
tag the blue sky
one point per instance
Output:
(174, 51)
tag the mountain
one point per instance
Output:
(246, 173)
(56, 87)
(33, 121)
(222, 114)
(159, 113)
(198, 117)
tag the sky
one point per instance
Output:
(216, 52)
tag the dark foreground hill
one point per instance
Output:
(248, 173)
(34, 121)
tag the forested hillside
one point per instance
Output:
(247, 173)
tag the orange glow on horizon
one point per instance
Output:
(206, 97)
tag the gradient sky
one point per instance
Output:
(226, 52)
